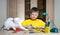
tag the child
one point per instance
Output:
(36, 23)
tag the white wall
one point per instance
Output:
(3, 11)
(57, 13)
(50, 8)
(33, 3)
(21, 9)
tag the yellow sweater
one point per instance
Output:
(35, 23)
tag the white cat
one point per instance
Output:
(18, 22)
(9, 24)
(14, 23)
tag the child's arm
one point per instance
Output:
(43, 27)
(42, 24)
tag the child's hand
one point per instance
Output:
(28, 27)
(40, 27)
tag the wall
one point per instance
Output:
(16, 8)
(50, 11)
(50, 8)
(3, 11)
(33, 3)
(12, 7)
(57, 13)
(21, 9)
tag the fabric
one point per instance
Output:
(34, 23)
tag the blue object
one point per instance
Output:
(48, 24)
(44, 13)
(54, 30)
(31, 32)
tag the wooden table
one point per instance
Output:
(2, 32)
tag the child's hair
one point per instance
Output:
(34, 9)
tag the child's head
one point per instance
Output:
(34, 13)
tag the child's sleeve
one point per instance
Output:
(42, 23)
